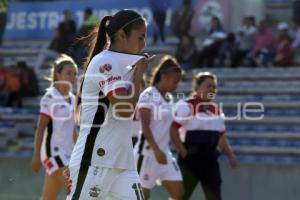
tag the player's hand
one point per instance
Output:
(160, 157)
(66, 173)
(233, 162)
(183, 152)
(36, 164)
(142, 64)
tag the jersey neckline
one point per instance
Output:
(121, 52)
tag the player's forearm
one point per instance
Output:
(150, 139)
(225, 147)
(176, 139)
(137, 79)
(38, 142)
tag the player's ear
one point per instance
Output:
(120, 35)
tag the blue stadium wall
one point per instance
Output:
(37, 20)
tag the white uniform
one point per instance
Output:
(195, 115)
(149, 169)
(57, 142)
(102, 161)
(203, 122)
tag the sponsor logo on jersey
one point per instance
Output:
(94, 191)
(105, 68)
(109, 80)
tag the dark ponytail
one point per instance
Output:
(97, 40)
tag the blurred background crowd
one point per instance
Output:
(253, 43)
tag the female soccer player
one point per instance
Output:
(55, 132)
(205, 132)
(102, 163)
(153, 156)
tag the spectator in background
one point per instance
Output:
(295, 34)
(29, 81)
(3, 90)
(89, 22)
(54, 44)
(13, 86)
(228, 53)
(181, 19)
(283, 56)
(245, 38)
(216, 26)
(296, 10)
(263, 50)
(67, 29)
(159, 9)
(3, 17)
(252, 21)
(64, 35)
(79, 51)
(292, 29)
(186, 53)
(62, 41)
(212, 44)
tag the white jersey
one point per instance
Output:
(58, 137)
(196, 115)
(204, 122)
(104, 139)
(161, 119)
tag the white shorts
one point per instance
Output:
(53, 163)
(58, 158)
(101, 183)
(151, 171)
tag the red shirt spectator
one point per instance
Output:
(263, 38)
(284, 55)
(13, 82)
(3, 73)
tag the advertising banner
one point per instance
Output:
(37, 20)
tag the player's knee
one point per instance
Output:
(146, 194)
(177, 195)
